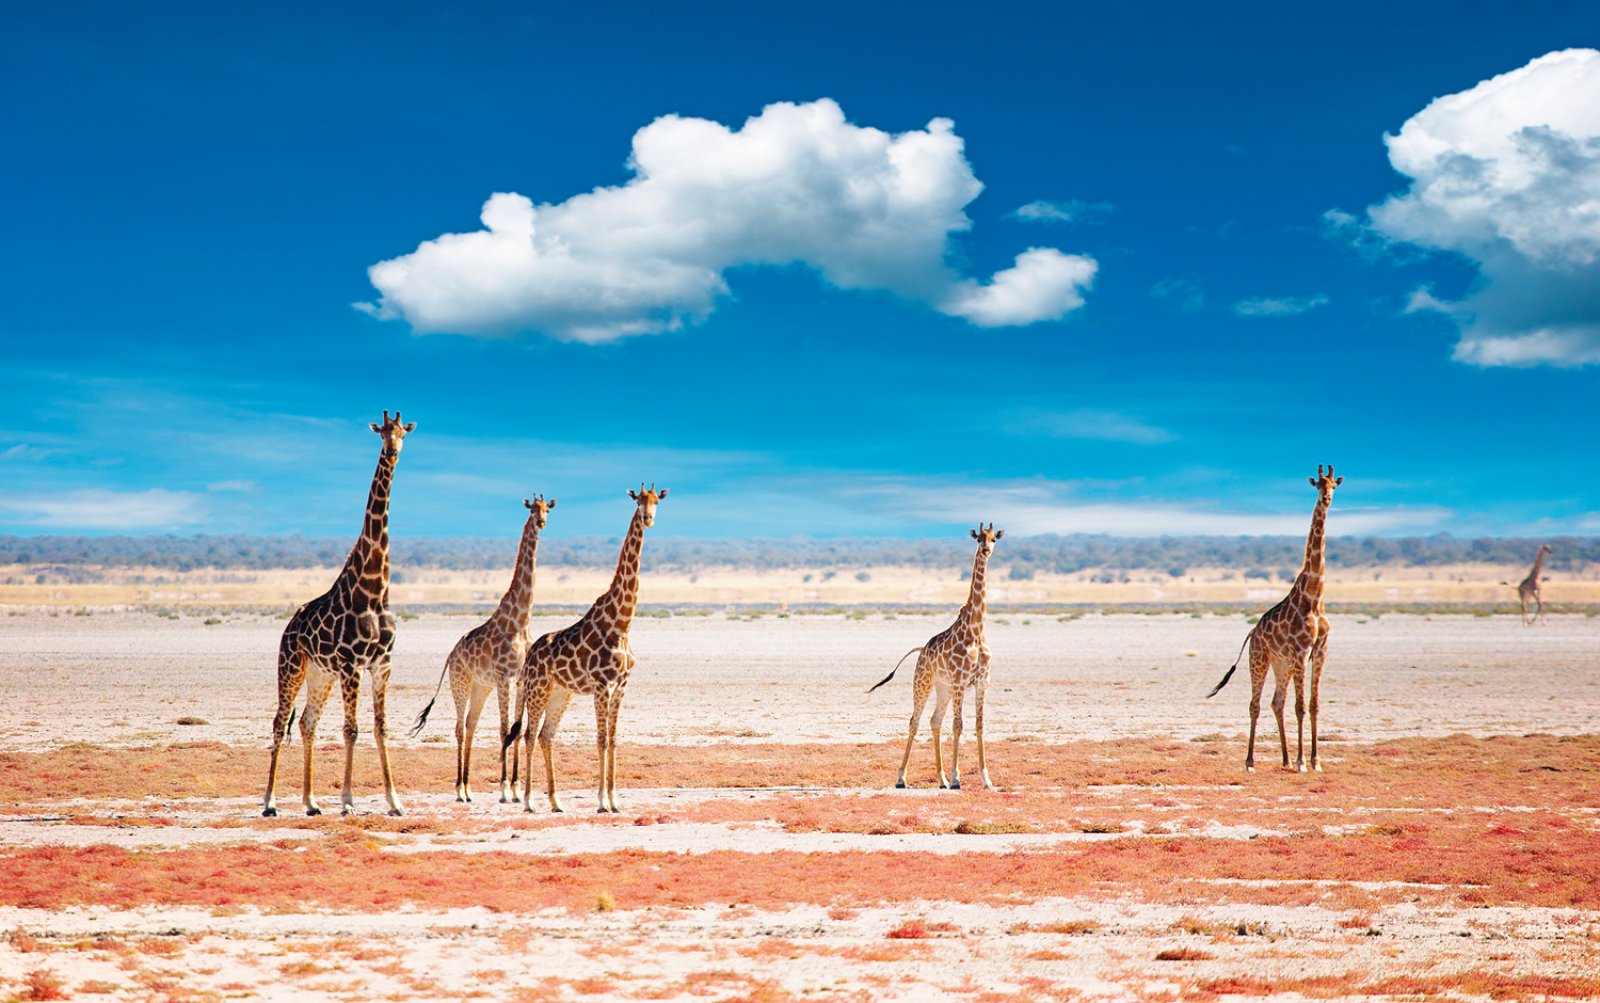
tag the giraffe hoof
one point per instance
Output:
(269, 812)
(1249, 769)
(901, 784)
(313, 810)
(396, 812)
(955, 785)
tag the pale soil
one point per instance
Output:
(415, 588)
(127, 678)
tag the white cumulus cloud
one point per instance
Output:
(796, 184)
(1507, 173)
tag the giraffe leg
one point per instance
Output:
(983, 761)
(1258, 678)
(555, 705)
(955, 737)
(614, 712)
(350, 691)
(941, 699)
(291, 674)
(530, 716)
(380, 734)
(921, 684)
(1299, 679)
(508, 756)
(319, 684)
(602, 738)
(1319, 653)
(1280, 694)
(461, 693)
(474, 711)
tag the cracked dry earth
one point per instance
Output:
(1420, 865)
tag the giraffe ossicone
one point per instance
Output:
(949, 663)
(340, 634)
(488, 658)
(593, 658)
(1290, 637)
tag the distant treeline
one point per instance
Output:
(1022, 557)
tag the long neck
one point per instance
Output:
(367, 568)
(623, 596)
(1311, 573)
(973, 610)
(1538, 564)
(517, 603)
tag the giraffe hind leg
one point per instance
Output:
(291, 675)
(1258, 678)
(922, 683)
(319, 683)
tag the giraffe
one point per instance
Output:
(1528, 588)
(951, 661)
(1289, 636)
(342, 632)
(489, 656)
(590, 657)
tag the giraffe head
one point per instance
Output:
(1544, 548)
(647, 500)
(393, 433)
(986, 538)
(538, 510)
(1325, 483)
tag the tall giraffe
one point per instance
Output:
(1289, 635)
(590, 657)
(952, 660)
(1528, 588)
(489, 656)
(339, 634)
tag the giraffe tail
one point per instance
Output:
(422, 719)
(1229, 674)
(897, 665)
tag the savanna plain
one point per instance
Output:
(1449, 850)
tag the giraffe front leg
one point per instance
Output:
(983, 761)
(955, 737)
(1300, 719)
(350, 692)
(555, 705)
(380, 733)
(508, 756)
(602, 738)
(1280, 696)
(615, 712)
(1319, 654)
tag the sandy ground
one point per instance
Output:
(129, 678)
(125, 679)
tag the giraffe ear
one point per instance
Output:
(1312, 481)
(999, 533)
(1338, 481)
(552, 504)
(374, 426)
(409, 426)
(633, 494)
(974, 533)
(662, 495)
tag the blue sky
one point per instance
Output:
(873, 269)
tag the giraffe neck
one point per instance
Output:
(972, 612)
(1309, 583)
(1538, 566)
(616, 607)
(516, 605)
(366, 570)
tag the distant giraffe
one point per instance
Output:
(1528, 588)
(951, 661)
(1288, 636)
(488, 658)
(590, 657)
(339, 634)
